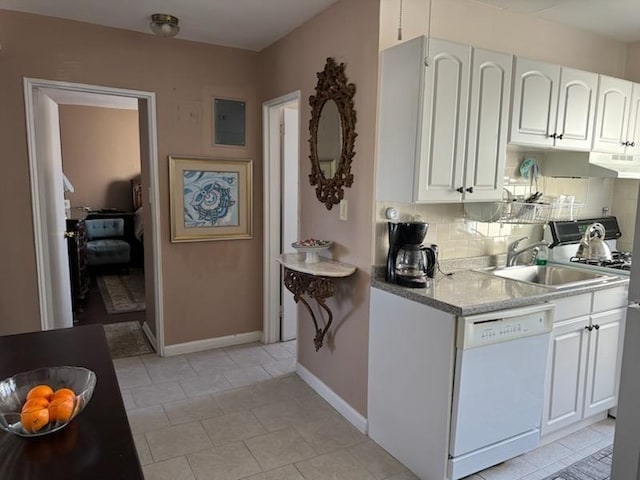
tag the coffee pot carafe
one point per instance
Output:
(409, 263)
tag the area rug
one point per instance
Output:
(122, 293)
(594, 467)
(126, 339)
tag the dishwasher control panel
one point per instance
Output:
(504, 325)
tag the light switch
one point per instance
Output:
(343, 209)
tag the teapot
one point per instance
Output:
(592, 245)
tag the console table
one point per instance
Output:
(315, 280)
(98, 443)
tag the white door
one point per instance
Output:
(51, 201)
(444, 122)
(564, 397)
(603, 371)
(535, 103)
(290, 202)
(612, 115)
(576, 109)
(488, 120)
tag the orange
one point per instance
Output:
(35, 404)
(40, 391)
(61, 409)
(34, 420)
(64, 392)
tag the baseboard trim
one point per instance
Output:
(209, 343)
(563, 432)
(336, 401)
(150, 336)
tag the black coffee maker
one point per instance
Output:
(409, 263)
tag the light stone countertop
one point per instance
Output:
(468, 292)
(324, 267)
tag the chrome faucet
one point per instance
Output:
(513, 252)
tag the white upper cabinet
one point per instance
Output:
(535, 102)
(576, 109)
(612, 117)
(446, 93)
(488, 125)
(633, 130)
(553, 106)
(442, 128)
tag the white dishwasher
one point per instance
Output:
(501, 359)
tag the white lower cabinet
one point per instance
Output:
(564, 403)
(411, 368)
(603, 372)
(583, 369)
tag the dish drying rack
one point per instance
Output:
(515, 212)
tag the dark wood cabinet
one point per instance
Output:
(78, 270)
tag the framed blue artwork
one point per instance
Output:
(210, 199)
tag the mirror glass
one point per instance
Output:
(329, 139)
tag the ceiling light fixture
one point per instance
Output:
(164, 25)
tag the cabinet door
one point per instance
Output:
(444, 122)
(401, 89)
(576, 109)
(603, 370)
(535, 103)
(633, 131)
(612, 115)
(488, 119)
(564, 391)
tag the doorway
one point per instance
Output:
(100, 148)
(42, 98)
(281, 134)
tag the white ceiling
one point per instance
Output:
(256, 24)
(248, 24)
(617, 19)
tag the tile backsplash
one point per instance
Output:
(459, 236)
(625, 200)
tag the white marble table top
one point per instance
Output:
(324, 267)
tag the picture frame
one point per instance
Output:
(210, 199)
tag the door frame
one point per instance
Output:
(41, 233)
(272, 215)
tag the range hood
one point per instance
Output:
(586, 164)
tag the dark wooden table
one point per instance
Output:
(98, 443)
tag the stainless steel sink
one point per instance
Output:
(551, 276)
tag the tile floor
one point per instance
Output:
(242, 413)
(548, 459)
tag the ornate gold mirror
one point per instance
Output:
(332, 134)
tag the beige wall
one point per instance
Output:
(483, 26)
(632, 70)
(625, 201)
(100, 155)
(347, 31)
(210, 287)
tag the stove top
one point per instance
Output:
(620, 261)
(564, 238)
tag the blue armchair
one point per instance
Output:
(105, 245)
